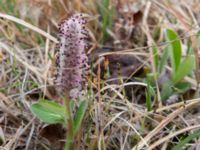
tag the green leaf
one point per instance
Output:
(150, 78)
(49, 111)
(163, 60)
(79, 115)
(106, 13)
(148, 98)
(166, 90)
(185, 68)
(179, 146)
(190, 50)
(8, 6)
(198, 36)
(182, 87)
(155, 57)
(174, 49)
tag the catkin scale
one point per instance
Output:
(72, 61)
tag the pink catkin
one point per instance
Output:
(72, 60)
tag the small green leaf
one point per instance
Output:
(49, 111)
(166, 90)
(184, 69)
(106, 13)
(174, 48)
(79, 115)
(182, 87)
(180, 145)
(190, 50)
(148, 98)
(163, 60)
(198, 36)
(150, 78)
(155, 57)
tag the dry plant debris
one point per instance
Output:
(144, 74)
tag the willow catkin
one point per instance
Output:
(72, 59)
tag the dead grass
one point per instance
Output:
(117, 117)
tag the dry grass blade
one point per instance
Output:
(132, 127)
(28, 25)
(168, 119)
(30, 67)
(171, 135)
(130, 69)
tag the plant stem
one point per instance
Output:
(69, 124)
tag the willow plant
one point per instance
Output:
(72, 64)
